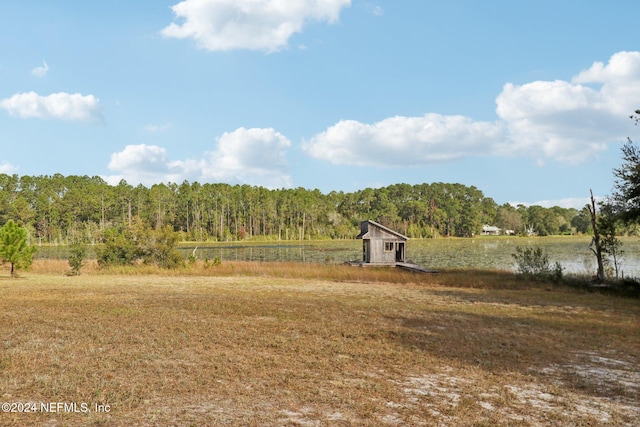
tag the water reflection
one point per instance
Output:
(327, 252)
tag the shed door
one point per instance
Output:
(365, 251)
(400, 252)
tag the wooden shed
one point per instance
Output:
(381, 245)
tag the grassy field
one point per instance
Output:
(280, 344)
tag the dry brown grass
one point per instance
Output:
(486, 279)
(282, 344)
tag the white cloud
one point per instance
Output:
(566, 121)
(153, 128)
(253, 154)
(247, 156)
(41, 71)
(248, 24)
(60, 105)
(623, 66)
(377, 10)
(144, 158)
(145, 164)
(8, 168)
(401, 141)
(569, 202)
(558, 120)
(573, 121)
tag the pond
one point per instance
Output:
(572, 253)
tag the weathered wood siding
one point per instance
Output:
(378, 252)
(381, 245)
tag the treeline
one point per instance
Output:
(64, 209)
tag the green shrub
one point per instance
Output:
(534, 263)
(119, 248)
(159, 247)
(139, 242)
(215, 262)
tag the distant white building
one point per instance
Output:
(490, 230)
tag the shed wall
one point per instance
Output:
(381, 246)
(384, 251)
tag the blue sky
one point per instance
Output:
(528, 101)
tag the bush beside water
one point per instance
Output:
(533, 263)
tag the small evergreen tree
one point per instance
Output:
(14, 248)
(77, 254)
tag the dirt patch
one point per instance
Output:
(594, 390)
(605, 375)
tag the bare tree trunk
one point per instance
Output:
(596, 240)
(102, 217)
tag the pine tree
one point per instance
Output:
(14, 248)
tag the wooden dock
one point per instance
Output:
(403, 265)
(414, 267)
